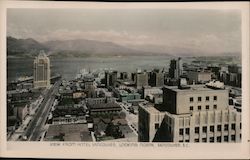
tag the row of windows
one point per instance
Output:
(205, 128)
(191, 99)
(211, 139)
(191, 108)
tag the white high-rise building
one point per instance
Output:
(41, 71)
(195, 113)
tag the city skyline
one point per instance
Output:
(147, 80)
(109, 105)
(113, 97)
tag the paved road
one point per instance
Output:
(131, 118)
(36, 126)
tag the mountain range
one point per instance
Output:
(69, 48)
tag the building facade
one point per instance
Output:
(194, 114)
(156, 78)
(41, 71)
(199, 76)
(150, 90)
(110, 78)
(176, 68)
(141, 79)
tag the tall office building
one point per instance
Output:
(41, 71)
(198, 113)
(124, 75)
(110, 78)
(156, 78)
(89, 86)
(176, 68)
(141, 79)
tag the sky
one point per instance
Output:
(161, 30)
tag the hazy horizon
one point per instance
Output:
(173, 31)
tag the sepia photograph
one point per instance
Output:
(134, 76)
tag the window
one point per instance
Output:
(180, 140)
(240, 136)
(207, 106)
(187, 130)
(204, 129)
(191, 108)
(233, 137)
(181, 131)
(199, 107)
(191, 99)
(225, 138)
(199, 99)
(219, 139)
(211, 139)
(197, 130)
(219, 128)
(187, 140)
(207, 98)
(240, 125)
(204, 139)
(215, 98)
(196, 140)
(211, 128)
(215, 106)
(233, 126)
(226, 127)
(157, 126)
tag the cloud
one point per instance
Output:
(170, 41)
(100, 35)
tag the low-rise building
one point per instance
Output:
(198, 76)
(104, 108)
(124, 96)
(21, 110)
(151, 90)
(68, 132)
(68, 114)
(155, 98)
(100, 100)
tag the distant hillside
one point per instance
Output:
(69, 48)
(91, 47)
(24, 47)
(82, 48)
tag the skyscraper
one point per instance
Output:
(176, 68)
(156, 78)
(141, 79)
(110, 78)
(41, 71)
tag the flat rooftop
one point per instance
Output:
(192, 88)
(70, 132)
(149, 107)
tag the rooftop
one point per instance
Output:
(69, 132)
(104, 106)
(193, 88)
(149, 107)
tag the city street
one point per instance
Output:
(32, 112)
(130, 117)
(35, 128)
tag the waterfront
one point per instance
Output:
(69, 67)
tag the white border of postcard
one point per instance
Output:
(118, 149)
